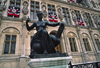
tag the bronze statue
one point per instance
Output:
(42, 42)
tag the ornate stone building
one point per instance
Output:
(82, 42)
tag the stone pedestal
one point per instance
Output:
(54, 62)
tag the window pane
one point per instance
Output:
(73, 40)
(7, 37)
(75, 48)
(12, 4)
(69, 39)
(18, 0)
(49, 10)
(48, 6)
(32, 8)
(36, 16)
(69, 21)
(12, 48)
(6, 50)
(14, 38)
(17, 5)
(53, 7)
(12, 0)
(65, 20)
(32, 3)
(32, 15)
(37, 8)
(37, 3)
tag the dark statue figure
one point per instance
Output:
(42, 42)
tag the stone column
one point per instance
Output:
(65, 43)
(23, 36)
(82, 46)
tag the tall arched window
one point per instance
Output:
(97, 41)
(10, 40)
(85, 39)
(72, 42)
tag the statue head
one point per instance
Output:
(39, 15)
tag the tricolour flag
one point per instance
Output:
(80, 21)
(53, 17)
(73, 0)
(13, 11)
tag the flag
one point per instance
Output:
(53, 17)
(13, 11)
(80, 21)
(73, 0)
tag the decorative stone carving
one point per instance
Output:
(3, 4)
(25, 7)
(96, 19)
(44, 11)
(85, 17)
(74, 16)
(11, 30)
(60, 14)
(85, 3)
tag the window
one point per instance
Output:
(15, 3)
(51, 8)
(10, 44)
(73, 44)
(66, 16)
(78, 14)
(86, 44)
(97, 43)
(89, 21)
(34, 10)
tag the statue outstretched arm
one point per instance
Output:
(31, 27)
(53, 24)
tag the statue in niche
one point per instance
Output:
(3, 2)
(85, 18)
(96, 20)
(25, 8)
(44, 11)
(42, 42)
(60, 15)
(74, 16)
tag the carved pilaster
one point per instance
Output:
(82, 47)
(94, 44)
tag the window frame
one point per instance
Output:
(34, 10)
(87, 42)
(75, 44)
(66, 14)
(10, 41)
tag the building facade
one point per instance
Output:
(80, 38)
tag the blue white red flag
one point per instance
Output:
(53, 17)
(13, 11)
(80, 21)
(73, 0)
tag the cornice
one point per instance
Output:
(76, 5)
(11, 19)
